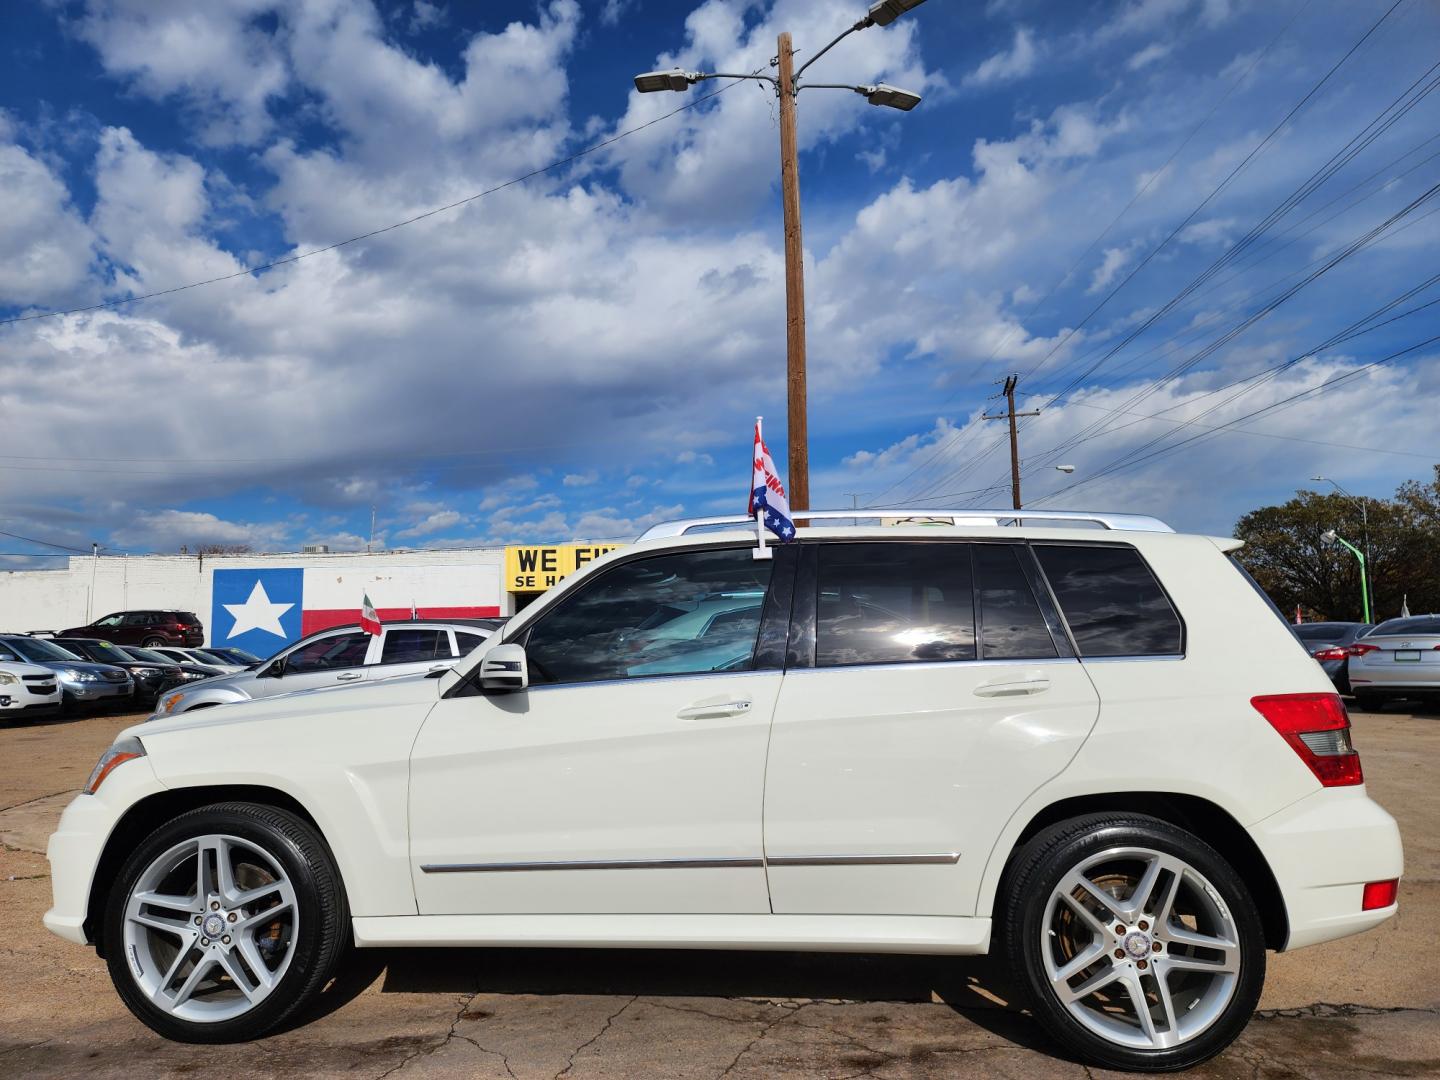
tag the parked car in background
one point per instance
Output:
(27, 690)
(1329, 643)
(149, 628)
(82, 682)
(180, 674)
(1090, 750)
(1400, 658)
(233, 656)
(334, 657)
(200, 657)
(149, 677)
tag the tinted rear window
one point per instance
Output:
(1011, 624)
(1111, 601)
(887, 603)
(1321, 631)
(1420, 624)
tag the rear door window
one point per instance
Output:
(891, 602)
(1012, 626)
(1111, 601)
(467, 643)
(323, 654)
(412, 646)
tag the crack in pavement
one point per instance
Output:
(1324, 1010)
(449, 1035)
(38, 798)
(790, 1012)
(596, 1037)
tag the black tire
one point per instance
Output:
(1036, 871)
(153, 643)
(1367, 702)
(324, 918)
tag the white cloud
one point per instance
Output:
(1156, 50)
(581, 479)
(611, 13)
(45, 248)
(1013, 63)
(168, 530)
(438, 521)
(1112, 262)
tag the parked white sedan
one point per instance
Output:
(1095, 753)
(27, 690)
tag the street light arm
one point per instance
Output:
(861, 25)
(702, 76)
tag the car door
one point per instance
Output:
(111, 627)
(409, 650)
(628, 778)
(931, 688)
(329, 660)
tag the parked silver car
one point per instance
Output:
(1400, 658)
(83, 682)
(335, 657)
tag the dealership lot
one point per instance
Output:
(1365, 1004)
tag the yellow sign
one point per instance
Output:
(537, 568)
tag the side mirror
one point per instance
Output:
(273, 670)
(503, 668)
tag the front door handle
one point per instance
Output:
(349, 676)
(1017, 688)
(715, 708)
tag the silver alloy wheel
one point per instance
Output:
(1140, 948)
(210, 928)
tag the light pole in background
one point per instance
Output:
(1364, 527)
(1330, 536)
(787, 85)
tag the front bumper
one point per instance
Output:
(1323, 850)
(76, 844)
(97, 691)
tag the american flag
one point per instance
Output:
(767, 493)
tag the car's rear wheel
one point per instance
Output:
(1367, 702)
(226, 921)
(152, 643)
(1136, 944)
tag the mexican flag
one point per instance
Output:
(369, 621)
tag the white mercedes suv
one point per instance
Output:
(1080, 741)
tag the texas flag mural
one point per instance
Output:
(261, 610)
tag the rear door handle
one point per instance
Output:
(349, 676)
(715, 708)
(1018, 688)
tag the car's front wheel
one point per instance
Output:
(224, 922)
(1136, 944)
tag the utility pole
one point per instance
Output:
(786, 81)
(1010, 414)
(797, 424)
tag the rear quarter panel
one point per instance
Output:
(1186, 725)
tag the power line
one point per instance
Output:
(44, 543)
(383, 229)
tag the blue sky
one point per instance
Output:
(581, 355)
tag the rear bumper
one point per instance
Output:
(1323, 850)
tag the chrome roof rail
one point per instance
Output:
(995, 518)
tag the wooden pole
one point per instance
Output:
(798, 434)
(1010, 414)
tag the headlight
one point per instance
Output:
(144, 672)
(117, 755)
(79, 676)
(6, 679)
(168, 703)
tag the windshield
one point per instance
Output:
(1320, 631)
(146, 655)
(1422, 624)
(237, 656)
(209, 657)
(104, 652)
(37, 650)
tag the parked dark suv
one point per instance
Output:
(148, 628)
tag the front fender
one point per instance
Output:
(200, 697)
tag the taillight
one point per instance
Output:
(1334, 652)
(1379, 894)
(1318, 729)
(1360, 649)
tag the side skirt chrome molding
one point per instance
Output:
(944, 858)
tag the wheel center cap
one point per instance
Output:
(1137, 945)
(214, 925)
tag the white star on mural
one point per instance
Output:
(257, 613)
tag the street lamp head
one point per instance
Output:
(884, 12)
(1319, 479)
(891, 96)
(675, 79)
(1066, 469)
(1328, 536)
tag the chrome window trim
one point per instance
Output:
(1139, 657)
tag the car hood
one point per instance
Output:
(20, 667)
(80, 665)
(401, 690)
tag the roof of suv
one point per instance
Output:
(846, 521)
